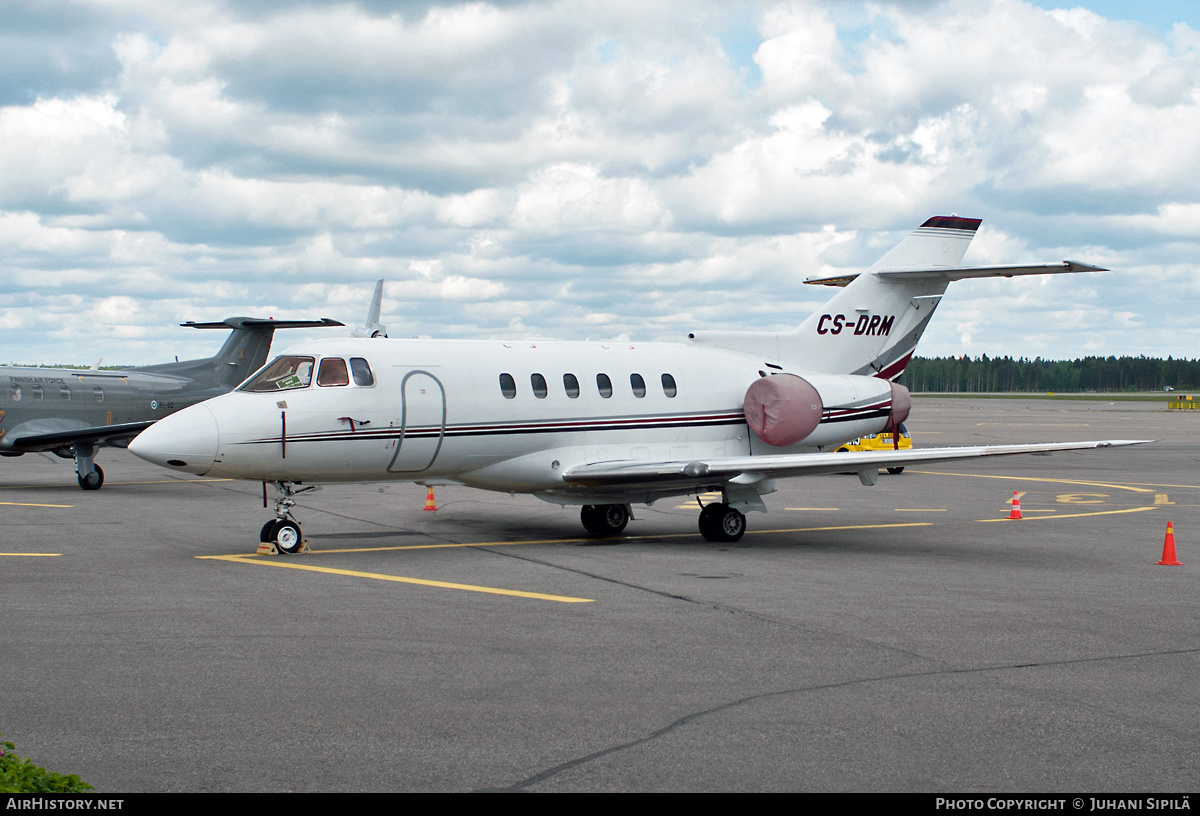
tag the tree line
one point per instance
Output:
(949, 374)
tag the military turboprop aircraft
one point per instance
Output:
(603, 425)
(71, 412)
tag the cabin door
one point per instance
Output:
(422, 423)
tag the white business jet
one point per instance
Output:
(604, 425)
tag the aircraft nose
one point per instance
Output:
(185, 440)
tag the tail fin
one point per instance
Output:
(244, 352)
(872, 326)
(372, 327)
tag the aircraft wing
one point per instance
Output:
(749, 469)
(28, 437)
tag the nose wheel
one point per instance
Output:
(284, 534)
(283, 531)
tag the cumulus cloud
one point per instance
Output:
(585, 169)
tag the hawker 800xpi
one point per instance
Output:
(603, 425)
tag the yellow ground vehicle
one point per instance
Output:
(880, 441)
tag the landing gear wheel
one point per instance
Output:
(267, 536)
(93, 480)
(896, 470)
(710, 517)
(286, 536)
(720, 522)
(604, 519)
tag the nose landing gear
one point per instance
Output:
(283, 531)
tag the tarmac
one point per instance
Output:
(902, 637)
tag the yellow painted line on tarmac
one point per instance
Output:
(920, 509)
(1037, 479)
(173, 481)
(155, 481)
(243, 559)
(31, 504)
(847, 527)
(1074, 515)
(614, 539)
(830, 509)
(428, 546)
(1161, 498)
(34, 555)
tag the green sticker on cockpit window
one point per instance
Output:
(290, 382)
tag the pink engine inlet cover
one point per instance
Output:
(782, 409)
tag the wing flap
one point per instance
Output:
(725, 469)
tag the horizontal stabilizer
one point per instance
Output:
(963, 272)
(262, 323)
(707, 472)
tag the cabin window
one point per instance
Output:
(604, 384)
(638, 384)
(508, 386)
(15, 393)
(333, 372)
(64, 393)
(539, 386)
(572, 385)
(668, 383)
(35, 393)
(98, 393)
(361, 371)
(284, 374)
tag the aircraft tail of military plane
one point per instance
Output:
(244, 351)
(72, 412)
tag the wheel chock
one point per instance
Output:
(1169, 559)
(1015, 513)
(269, 548)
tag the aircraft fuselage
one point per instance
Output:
(510, 416)
(46, 400)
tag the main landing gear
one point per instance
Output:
(604, 519)
(89, 474)
(284, 531)
(720, 522)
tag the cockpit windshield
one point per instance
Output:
(283, 374)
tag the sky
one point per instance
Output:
(589, 170)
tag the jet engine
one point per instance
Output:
(784, 409)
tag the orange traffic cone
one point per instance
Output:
(1015, 513)
(1169, 558)
(429, 505)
